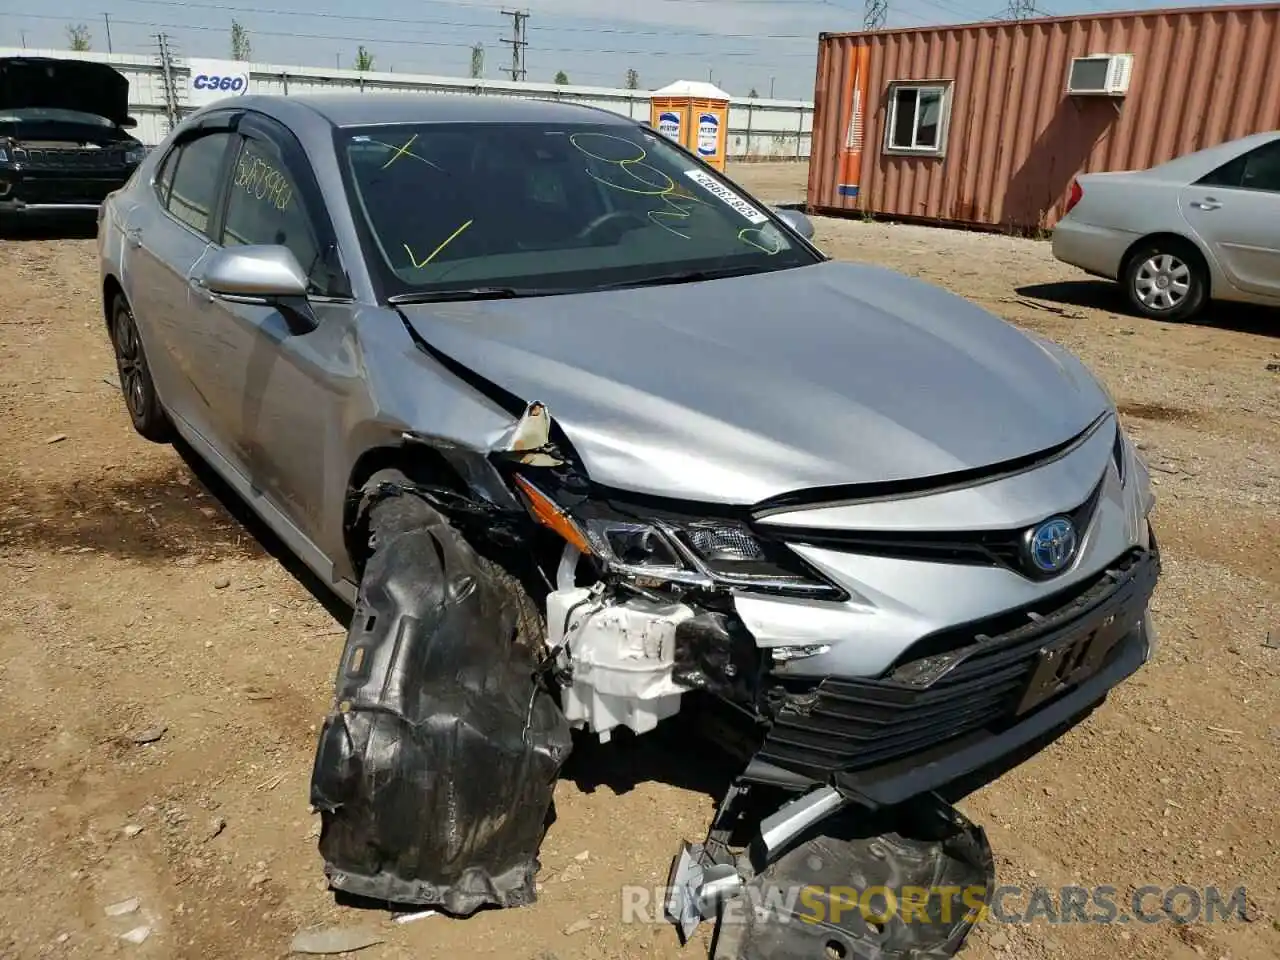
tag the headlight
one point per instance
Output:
(4, 155)
(693, 552)
(135, 154)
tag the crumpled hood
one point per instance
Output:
(82, 85)
(740, 389)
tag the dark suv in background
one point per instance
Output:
(63, 139)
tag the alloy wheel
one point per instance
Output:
(129, 363)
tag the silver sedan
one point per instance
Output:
(580, 429)
(1204, 226)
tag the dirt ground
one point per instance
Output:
(138, 607)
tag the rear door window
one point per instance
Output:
(1259, 169)
(196, 180)
(1262, 168)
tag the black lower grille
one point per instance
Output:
(848, 725)
(60, 190)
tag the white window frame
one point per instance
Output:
(898, 87)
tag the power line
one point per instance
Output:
(519, 21)
(414, 42)
(625, 31)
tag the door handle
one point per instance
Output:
(1208, 203)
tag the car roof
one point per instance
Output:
(361, 109)
(1197, 164)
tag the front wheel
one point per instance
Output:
(140, 396)
(1166, 280)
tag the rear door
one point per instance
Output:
(1236, 211)
(164, 238)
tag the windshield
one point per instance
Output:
(554, 207)
(52, 114)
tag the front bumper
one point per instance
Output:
(945, 716)
(34, 193)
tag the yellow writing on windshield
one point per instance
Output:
(419, 264)
(637, 176)
(403, 151)
(400, 151)
(769, 243)
(634, 174)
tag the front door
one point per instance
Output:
(288, 375)
(1236, 211)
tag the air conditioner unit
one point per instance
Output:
(1100, 75)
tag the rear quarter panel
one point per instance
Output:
(1115, 212)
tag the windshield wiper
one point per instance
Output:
(686, 276)
(469, 293)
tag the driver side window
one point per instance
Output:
(264, 206)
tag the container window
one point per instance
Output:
(917, 118)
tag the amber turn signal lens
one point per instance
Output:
(548, 513)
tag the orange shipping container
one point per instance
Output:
(974, 124)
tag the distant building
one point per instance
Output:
(987, 123)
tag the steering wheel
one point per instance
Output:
(619, 217)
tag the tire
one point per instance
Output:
(140, 397)
(1166, 279)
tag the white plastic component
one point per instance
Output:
(559, 604)
(1100, 74)
(621, 656)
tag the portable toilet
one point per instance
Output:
(694, 115)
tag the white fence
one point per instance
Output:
(759, 129)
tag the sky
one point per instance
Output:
(765, 45)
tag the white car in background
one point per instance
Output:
(1204, 226)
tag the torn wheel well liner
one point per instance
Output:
(435, 769)
(420, 464)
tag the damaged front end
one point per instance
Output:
(823, 879)
(491, 622)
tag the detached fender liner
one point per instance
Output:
(435, 771)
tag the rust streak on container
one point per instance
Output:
(1014, 139)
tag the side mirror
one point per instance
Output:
(797, 221)
(254, 274)
(129, 123)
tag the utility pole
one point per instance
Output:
(106, 18)
(771, 79)
(170, 90)
(876, 13)
(519, 29)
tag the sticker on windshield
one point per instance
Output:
(718, 189)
